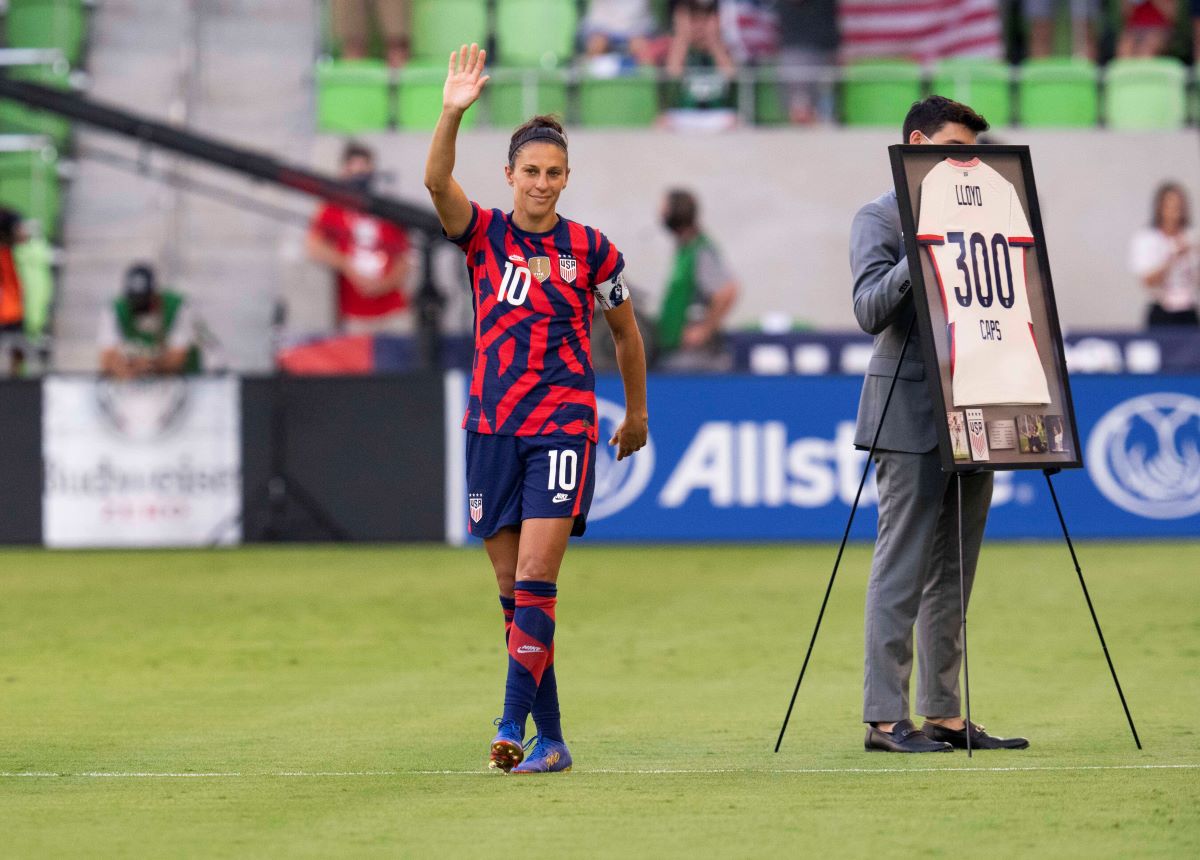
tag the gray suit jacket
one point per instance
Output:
(883, 306)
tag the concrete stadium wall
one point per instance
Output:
(780, 202)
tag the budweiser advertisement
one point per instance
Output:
(143, 463)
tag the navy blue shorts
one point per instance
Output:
(516, 478)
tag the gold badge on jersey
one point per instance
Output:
(539, 267)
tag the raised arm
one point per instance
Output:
(881, 284)
(464, 82)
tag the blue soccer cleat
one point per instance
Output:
(547, 757)
(507, 751)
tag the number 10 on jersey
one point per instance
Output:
(514, 286)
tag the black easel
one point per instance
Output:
(846, 534)
(962, 592)
(272, 498)
(281, 486)
(962, 608)
(1096, 621)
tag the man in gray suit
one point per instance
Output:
(915, 572)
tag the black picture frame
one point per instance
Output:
(910, 165)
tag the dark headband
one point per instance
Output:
(532, 134)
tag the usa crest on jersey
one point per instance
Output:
(475, 503)
(566, 269)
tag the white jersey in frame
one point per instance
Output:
(977, 236)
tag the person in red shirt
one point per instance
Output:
(12, 305)
(369, 256)
(1146, 31)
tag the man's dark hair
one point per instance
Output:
(357, 149)
(1160, 194)
(682, 209)
(930, 114)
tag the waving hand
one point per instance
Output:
(465, 80)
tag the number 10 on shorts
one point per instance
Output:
(564, 470)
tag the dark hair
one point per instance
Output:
(10, 226)
(930, 114)
(1160, 194)
(357, 149)
(682, 209)
(541, 128)
(140, 283)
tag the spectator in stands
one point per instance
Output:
(696, 26)
(147, 331)
(619, 27)
(1147, 27)
(12, 299)
(809, 41)
(1166, 258)
(352, 27)
(1195, 9)
(369, 256)
(1042, 15)
(698, 297)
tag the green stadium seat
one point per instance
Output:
(419, 97)
(1145, 94)
(535, 32)
(16, 118)
(352, 96)
(29, 184)
(630, 100)
(982, 84)
(58, 24)
(879, 92)
(442, 26)
(512, 98)
(1057, 92)
(770, 93)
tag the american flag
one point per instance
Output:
(750, 29)
(922, 30)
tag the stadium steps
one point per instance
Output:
(238, 71)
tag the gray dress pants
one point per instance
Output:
(914, 580)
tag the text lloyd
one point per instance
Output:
(751, 464)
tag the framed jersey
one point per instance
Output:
(985, 307)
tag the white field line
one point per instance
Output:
(619, 772)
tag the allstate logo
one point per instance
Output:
(1144, 456)
(618, 484)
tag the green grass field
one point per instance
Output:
(326, 702)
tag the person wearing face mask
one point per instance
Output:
(699, 295)
(370, 258)
(147, 331)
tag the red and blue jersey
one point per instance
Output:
(533, 295)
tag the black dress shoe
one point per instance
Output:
(905, 738)
(980, 740)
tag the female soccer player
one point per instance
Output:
(531, 417)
